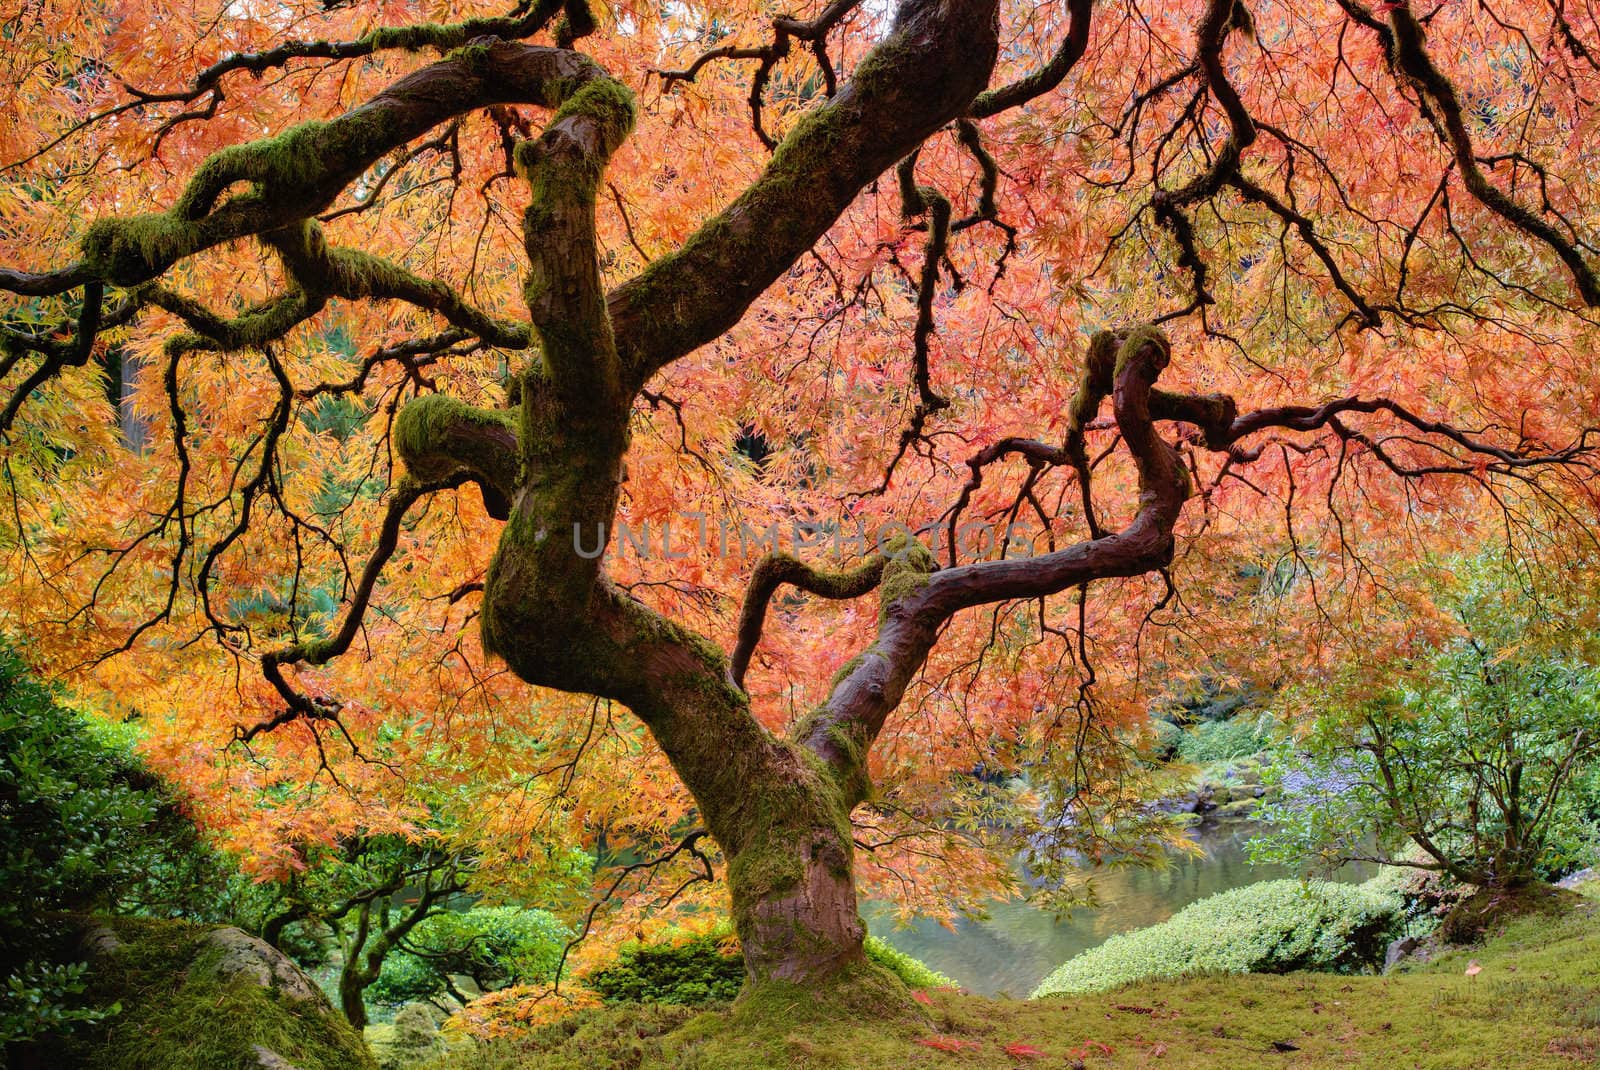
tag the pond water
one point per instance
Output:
(1013, 949)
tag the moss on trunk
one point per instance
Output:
(792, 878)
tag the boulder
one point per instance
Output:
(241, 955)
(195, 997)
(267, 1059)
(98, 942)
(1573, 881)
(1399, 951)
(1238, 810)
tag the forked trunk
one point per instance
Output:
(783, 823)
(794, 902)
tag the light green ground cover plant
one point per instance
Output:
(1271, 927)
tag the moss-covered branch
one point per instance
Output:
(1046, 78)
(916, 598)
(317, 272)
(439, 437)
(926, 72)
(773, 571)
(565, 296)
(299, 172)
(414, 37)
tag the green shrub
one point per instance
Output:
(411, 1040)
(495, 946)
(689, 973)
(706, 969)
(1573, 840)
(1271, 927)
(83, 827)
(1221, 741)
(912, 971)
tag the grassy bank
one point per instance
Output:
(1535, 1003)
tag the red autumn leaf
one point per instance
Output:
(1091, 1046)
(1024, 1051)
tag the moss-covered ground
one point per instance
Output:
(1535, 1003)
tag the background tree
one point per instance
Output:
(371, 894)
(1460, 760)
(1355, 246)
(493, 947)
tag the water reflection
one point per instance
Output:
(1013, 950)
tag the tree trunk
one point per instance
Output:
(780, 810)
(793, 885)
(351, 987)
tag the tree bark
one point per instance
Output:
(350, 1001)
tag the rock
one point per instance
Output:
(193, 997)
(1399, 951)
(1187, 803)
(1237, 810)
(1572, 880)
(246, 956)
(267, 1059)
(99, 942)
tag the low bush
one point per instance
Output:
(912, 971)
(1271, 927)
(709, 968)
(691, 972)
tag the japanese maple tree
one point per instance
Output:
(339, 341)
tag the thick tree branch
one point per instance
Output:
(411, 38)
(1046, 78)
(773, 571)
(917, 599)
(934, 61)
(298, 173)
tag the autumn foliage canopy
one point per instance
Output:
(240, 241)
